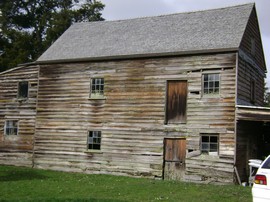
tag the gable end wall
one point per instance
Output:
(251, 67)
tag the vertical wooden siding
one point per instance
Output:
(176, 101)
(17, 149)
(132, 116)
(174, 158)
(175, 150)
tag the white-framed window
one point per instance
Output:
(23, 89)
(210, 144)
(94, 140)
(211, 84)
(97, 88)
(11, 127)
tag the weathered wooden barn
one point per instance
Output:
(176, 96)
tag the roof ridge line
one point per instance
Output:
(169, 14)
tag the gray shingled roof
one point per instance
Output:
(182, 33)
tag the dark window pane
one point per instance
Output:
(90, 140)
(23, 89)
(97, 86)
(213, 147)
(205, 146)
(266, 165)
(96, 146)
(94, 140)
(209, 143)
(11, 127)
(205, 138)
(206, 78)
(213, 139)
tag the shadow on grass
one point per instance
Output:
(20, 175)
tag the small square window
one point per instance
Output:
(94, 140)
(211, 83)
(97, 88)
(11, 127)
(209, 143)
(23, 89)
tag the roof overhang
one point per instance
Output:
(252, 113)
(137, 56)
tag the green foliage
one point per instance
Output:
(29, 27)
(267, 99)
(25, 184)
(266, 96)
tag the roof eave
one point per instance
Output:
(137, 56)
(20, 66)
(252, 113)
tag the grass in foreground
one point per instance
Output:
(26, 184)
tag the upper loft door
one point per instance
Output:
(176, 105)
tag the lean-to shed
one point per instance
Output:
(18, 100)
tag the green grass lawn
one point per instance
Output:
(26, 184)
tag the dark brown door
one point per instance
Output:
(174, 158)
(176, 102)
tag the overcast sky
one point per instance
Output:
(124, 9)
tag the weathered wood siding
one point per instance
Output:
(17, 149)
(251, 71)
(251, 67)
(132, 117)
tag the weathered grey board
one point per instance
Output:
(17, 149)
(132, 116)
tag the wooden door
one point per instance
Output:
(176, 102)
(174, 158)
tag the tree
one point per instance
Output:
(29, 27)
(266, 96)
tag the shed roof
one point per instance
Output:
(182, 33)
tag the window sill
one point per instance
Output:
(175, 124)
(97, 97)
(22, 99)
(92, 151)
(10, 135)
(211, 96)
